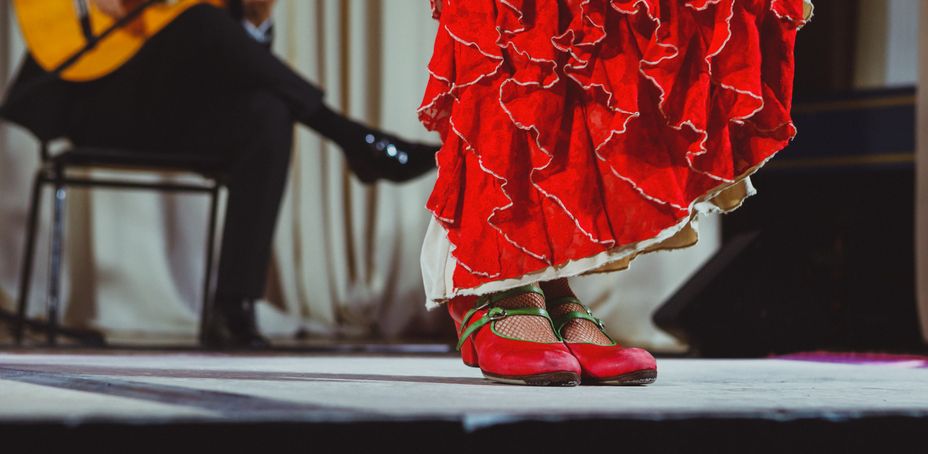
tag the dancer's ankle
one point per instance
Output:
(577, 330)
(556, 289)
(525, 327)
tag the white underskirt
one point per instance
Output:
(438, 263)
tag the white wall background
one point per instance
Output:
(887, 45)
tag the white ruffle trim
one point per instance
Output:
(438, 264)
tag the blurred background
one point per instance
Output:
(823, 257)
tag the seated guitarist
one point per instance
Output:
(207, 83)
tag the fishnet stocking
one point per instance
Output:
(525, 327)
(577, 330)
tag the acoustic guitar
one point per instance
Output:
(78, 42)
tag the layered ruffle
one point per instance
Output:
(580, 133)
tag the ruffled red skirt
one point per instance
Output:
(581, 133)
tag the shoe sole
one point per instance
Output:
(637, 378)
(549, 379)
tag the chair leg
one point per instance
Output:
(210, 250)
(56, 252)
(25, 273)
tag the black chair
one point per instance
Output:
(53, 172)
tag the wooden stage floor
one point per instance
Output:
(63, 392)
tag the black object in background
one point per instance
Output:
(823, 257)
(826, 47)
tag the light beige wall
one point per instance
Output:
(870, 57)
(12, 180)
(886, 47)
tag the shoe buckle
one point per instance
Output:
(497, 313)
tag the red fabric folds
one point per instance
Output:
(572, 127)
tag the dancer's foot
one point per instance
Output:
(511, 338)
(602, 360)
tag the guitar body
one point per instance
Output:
(53, 33)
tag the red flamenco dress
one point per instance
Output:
(579, 134)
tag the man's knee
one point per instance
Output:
(264, 130)
(269, 111)
(271, 121)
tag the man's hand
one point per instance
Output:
(257, 11)
(114, 8)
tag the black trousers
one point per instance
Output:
(201, 85)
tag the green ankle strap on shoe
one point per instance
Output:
(587, 314)
(498, 313)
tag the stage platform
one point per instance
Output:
(421, 402)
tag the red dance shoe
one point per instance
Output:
(610, 364)
(507, 359)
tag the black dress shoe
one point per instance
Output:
(372, 154)
(375, 155)
(233, 327)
